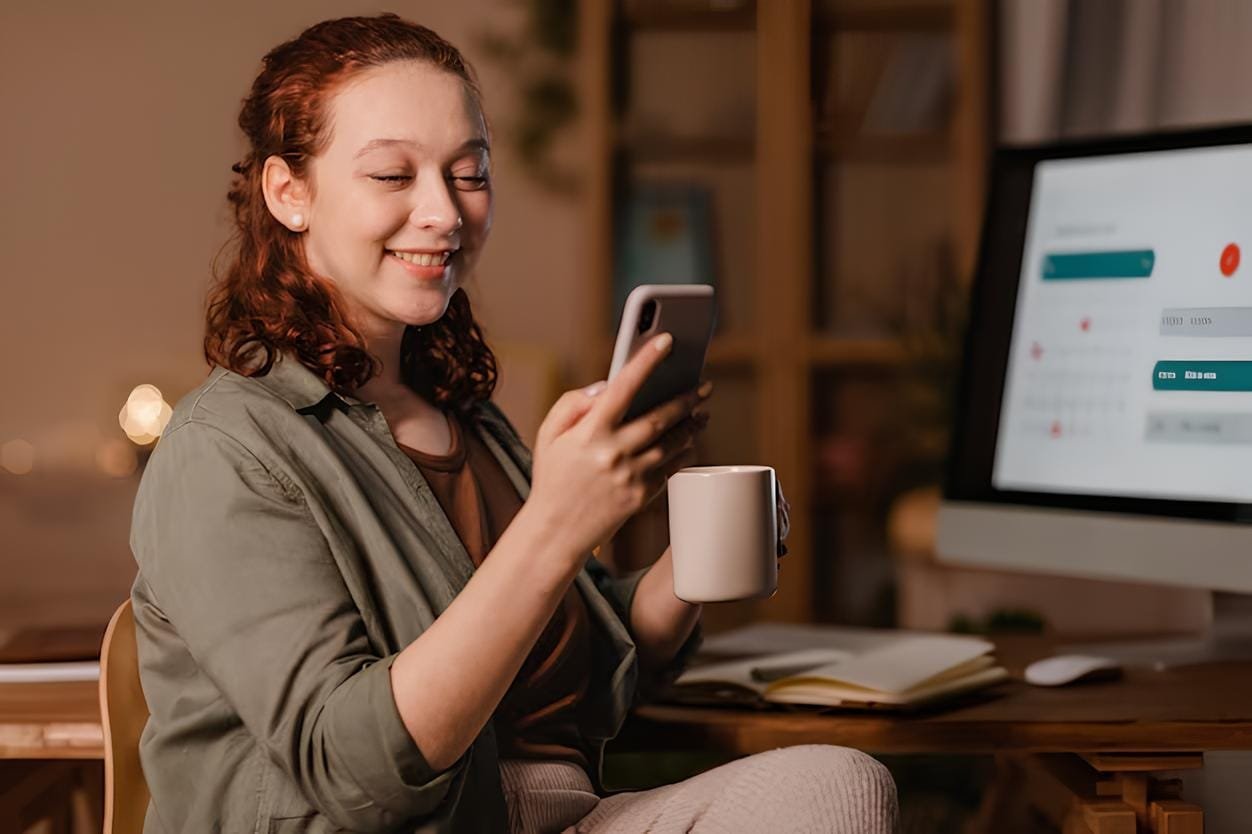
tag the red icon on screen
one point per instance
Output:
(1085, 324)
(1056, 428)
(1230, 259)
(1036, 351)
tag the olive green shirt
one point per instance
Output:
(288, 550)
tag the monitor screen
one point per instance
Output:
(1130, 362)
(1109, 359)
(1104, 420)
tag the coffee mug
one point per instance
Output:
(723, 531)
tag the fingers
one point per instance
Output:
(566, 411)
(611, 406)
(676, 441)
(657, 477)
(644, 431)
(784, 511)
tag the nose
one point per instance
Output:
(435, 207)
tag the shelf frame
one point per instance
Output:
(782, 351)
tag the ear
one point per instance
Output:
(286, 196)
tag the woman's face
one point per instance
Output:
(401, 196)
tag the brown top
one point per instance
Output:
(537, 717)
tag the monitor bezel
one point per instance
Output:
(993, 306)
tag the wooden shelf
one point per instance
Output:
(879, 15)
(697, 150)
(786, 359)
(731, 351)
(836, 352)
(656, 17)
(905, 149)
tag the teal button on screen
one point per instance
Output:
(1202, 376)
(1070, 266)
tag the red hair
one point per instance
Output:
(268, 300)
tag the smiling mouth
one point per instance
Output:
(424, 258)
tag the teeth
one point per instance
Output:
(423, 258)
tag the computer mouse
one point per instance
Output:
(1068, 668)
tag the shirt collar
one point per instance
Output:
(301, 388)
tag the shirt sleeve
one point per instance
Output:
(620, 592)
(239, 566)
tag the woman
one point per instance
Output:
(324, 643)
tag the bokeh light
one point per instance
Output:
(17, 457)
(117, 458)
(145, 414)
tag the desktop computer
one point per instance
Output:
(1104, 418)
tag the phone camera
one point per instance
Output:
(647, 316)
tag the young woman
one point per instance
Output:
(360, 606)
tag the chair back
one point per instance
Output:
(123, 713)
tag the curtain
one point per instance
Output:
(1070, 68)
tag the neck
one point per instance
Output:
(387, 385)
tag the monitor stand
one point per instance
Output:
(1229, 638)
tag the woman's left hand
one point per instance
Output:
(693, 427)
(784, 519)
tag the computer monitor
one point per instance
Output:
(1104, 419)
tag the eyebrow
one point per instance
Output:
(476, 143)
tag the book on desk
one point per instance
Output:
(837, 667)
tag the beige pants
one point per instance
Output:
(811, 788)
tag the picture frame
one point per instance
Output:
(664, 236)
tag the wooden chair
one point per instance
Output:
(123, 713)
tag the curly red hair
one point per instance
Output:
(268, 301)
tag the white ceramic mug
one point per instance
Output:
(723, 530)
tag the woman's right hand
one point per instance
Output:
(592, 472)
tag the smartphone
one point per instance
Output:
(687, 312)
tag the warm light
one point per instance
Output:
(145, 414)
(117, 458)
(17, 457)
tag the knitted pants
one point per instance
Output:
(810, 788)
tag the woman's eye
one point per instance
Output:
(470, 183)
(392, 178)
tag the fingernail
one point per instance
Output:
(662, 342)
(705, 389)
(595, 388)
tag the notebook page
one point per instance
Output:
(905, 663)
(748, 672)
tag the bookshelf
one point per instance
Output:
(764, 104)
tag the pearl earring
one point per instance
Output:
(297, 220)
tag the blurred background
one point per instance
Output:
(823, 164)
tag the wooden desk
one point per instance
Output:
(1185, 709)
(1166, 717)
(1124, 731)
(54, 723)
(50, 721)
(58, 725)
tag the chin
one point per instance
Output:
(421, 312)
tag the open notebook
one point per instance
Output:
(856, 668)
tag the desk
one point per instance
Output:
(1163, 718)
(50, 721)
(57, 724)
(1123, 731)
